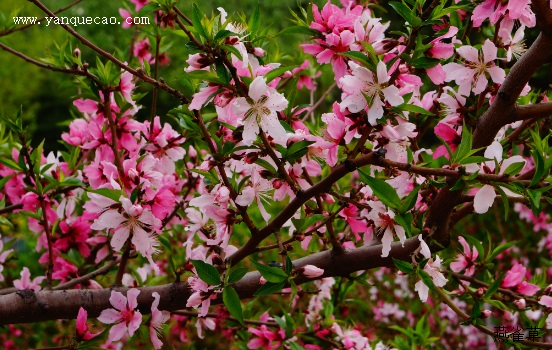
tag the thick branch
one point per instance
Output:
(301, 198)
(538, 110)
(498, 115)
(28, 306)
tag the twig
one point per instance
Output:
(9, 31)
(320, 100)
(213, 315)
(77, 71)
(110, 57)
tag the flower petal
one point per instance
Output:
(484, 199)
(257, 88)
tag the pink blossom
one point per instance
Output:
(125, 14)
(265, 338)
(125, 317)
(514, 279)
(142, 51)
(260, 111)
(350, 213)
(466, 260)
(362, 85)
(3, 257)
(546, 300)
(450, 136)
(472, 75)
(433, 268)
(139, 4)
(157, 320)
(130, 219)
(26, 283)
(311, 271)
(83, 332)
(484, 198)
(328, 51)
(204, 323)
(383, 219)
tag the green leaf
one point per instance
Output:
(147, 9)
(93, 343)
(223, 34)
(106, 192)
(403, 266)
(10, 164)
(473, 159)
(505, 201)
(233, 304)
(514, 168)
(500, 249)
(410, 200)
(425, 62)
(539, 167)
(357, 56)
(197, 16)
(465, 145)
(37, 157)
(494, 286)
(6, 222)
(233, 50)
(271, 274)
(207, 272)
(205, 76)
(412, 108)
(254, 21)
(275, 73)
(297, 150)
(384, 191)
(299, 30)
(269, 288)
(237, 275)
(403, 11)
(266, 165)
(222, 72)
(424, 276)
(303, 224)
(4, 180)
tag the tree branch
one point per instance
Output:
(139, 74)
(29, 306)
(538, 110)
(13, 30)
(76, 71)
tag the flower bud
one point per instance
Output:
(311, 271)
(521, 304)
(486, 313)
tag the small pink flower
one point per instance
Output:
(514, 280)
(311, 271)
(83, 332)
(472, 75)
(365, 89)
(466, 260)
(545, 300)
(25, 281)
(157, 319)
(259, 111)
(125, 317)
